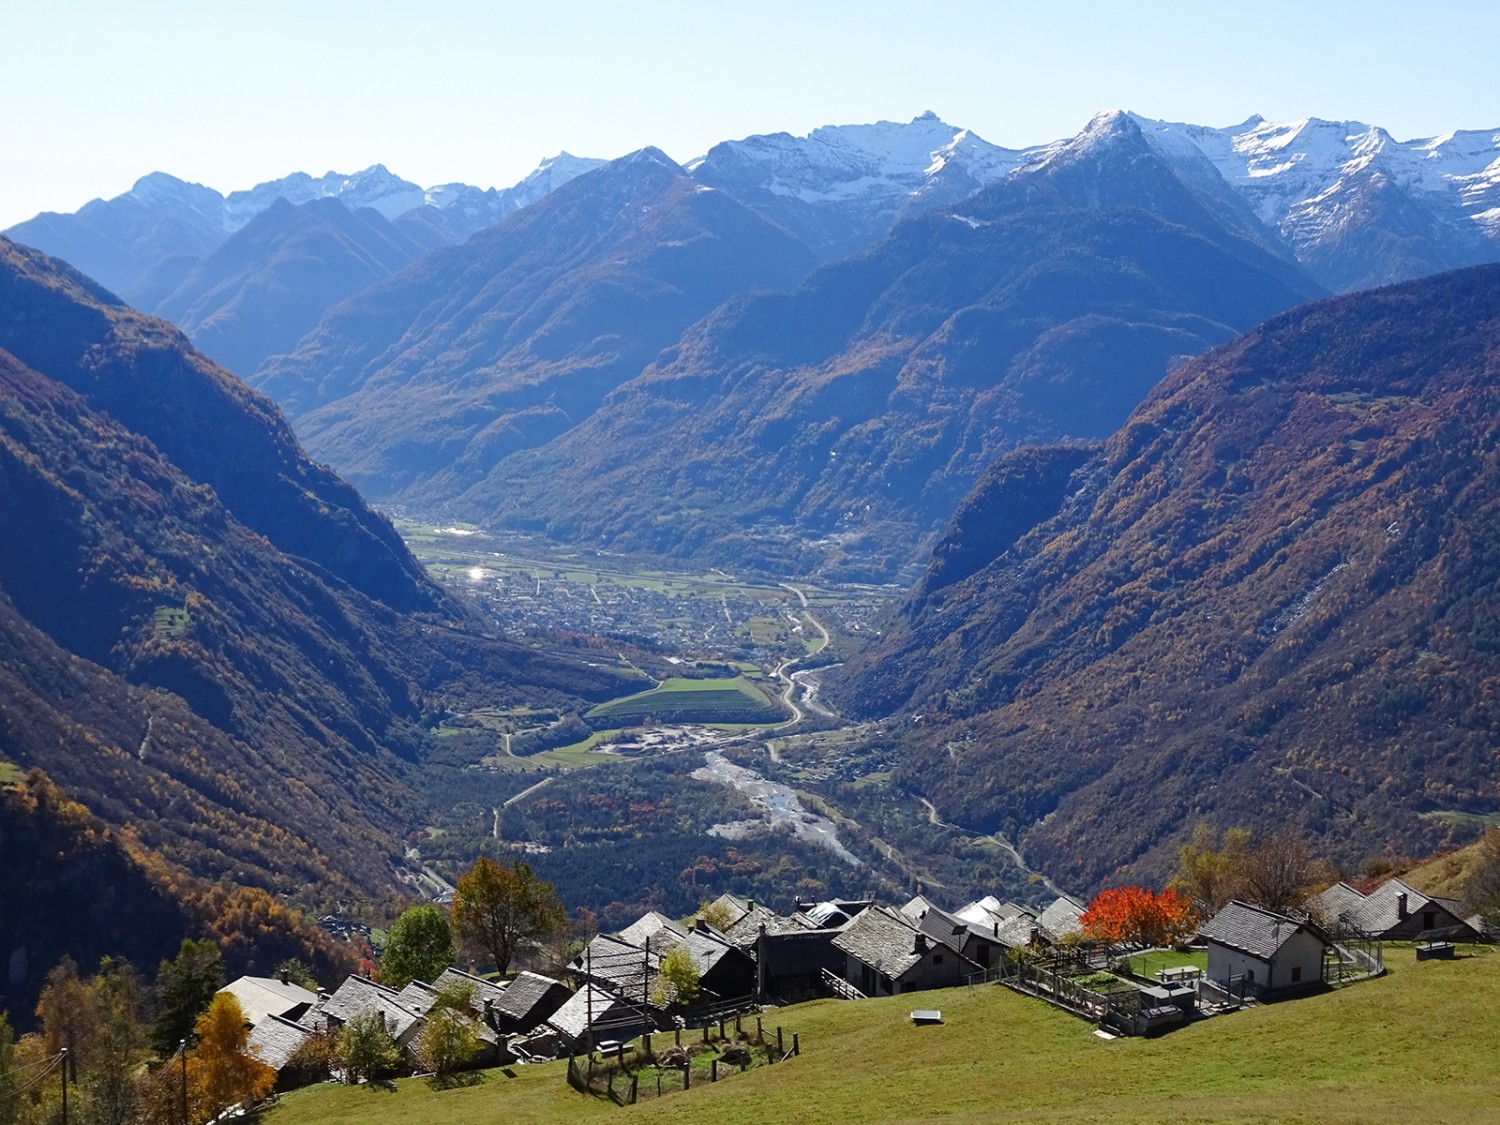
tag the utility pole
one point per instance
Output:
(182, 1050)
(64, 1054)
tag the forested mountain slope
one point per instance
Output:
(833, 427)
(420, 385)
(205, 636)
(1272, 597)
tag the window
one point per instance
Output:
(1296, 973)
(1429, 919)
(937, 958)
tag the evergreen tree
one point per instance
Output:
(185, 986)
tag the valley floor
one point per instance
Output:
(1415, 1045)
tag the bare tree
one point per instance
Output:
(1482, 889)
(1278, 872)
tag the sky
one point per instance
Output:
(96, 93)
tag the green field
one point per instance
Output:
(1416, 1044)
(690, 700)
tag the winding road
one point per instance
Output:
(1005, 845)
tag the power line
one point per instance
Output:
(52, 1064)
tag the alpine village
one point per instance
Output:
(866, 626)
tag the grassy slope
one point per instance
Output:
(1445, 875)
(1392, 1049)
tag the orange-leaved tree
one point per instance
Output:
(1134, 915)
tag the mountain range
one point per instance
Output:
(1269, 598)
(498, 355)
(1155, 587)
(831, 428)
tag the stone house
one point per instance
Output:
(1262, 953)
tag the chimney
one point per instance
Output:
(489, 1011)
(283, 976)
(921, 946)
(752, 906)
(1401, 906)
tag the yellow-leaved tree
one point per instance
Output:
(221, 1071)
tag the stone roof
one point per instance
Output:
(619, 963)
(1253, 930)
(707, 945)
(360, 994)
(572, 1019)
(260, 997)
(1380, 911)
(917, 906)
(648, 925)
(523, 995)
(1017, 932)
(733, 906)
(490, 990)
(1339, 903)
(417, 996)
(945, 928)
(882, 938)
(1061, 918)
(273, 1039)
(745, 932)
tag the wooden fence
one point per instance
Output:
(668, 1062)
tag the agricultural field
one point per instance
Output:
(735, 700)
(1384, 1050)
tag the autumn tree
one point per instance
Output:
(11, 1076)
(1208, 871)
(1135, 916)
(717, 914)
(69, 1015)
(677, 977)
(500, 913)
(119, 1041)
(419, 946)
(185, 986)
(221, 1071)
(298, 972)
(365, 1050)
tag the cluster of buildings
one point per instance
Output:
(614, 987)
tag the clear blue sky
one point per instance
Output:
(94, 93)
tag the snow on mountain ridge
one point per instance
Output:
(838, 162)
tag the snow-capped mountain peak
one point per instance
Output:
(870, 174)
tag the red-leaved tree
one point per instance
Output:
(1134, 915)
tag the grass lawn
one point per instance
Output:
(1146, 964)
(1385, 1050)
